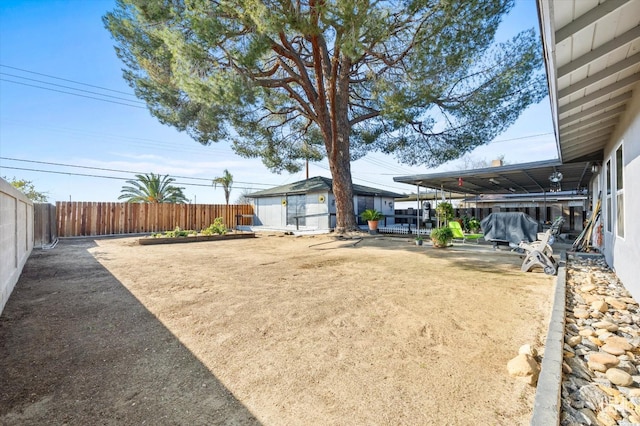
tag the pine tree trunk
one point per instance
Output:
(340, 167)
(340, 154)
(340, 161)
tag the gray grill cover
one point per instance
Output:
(512, 227)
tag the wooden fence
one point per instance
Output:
(85, 218)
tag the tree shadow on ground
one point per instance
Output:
(76, 347)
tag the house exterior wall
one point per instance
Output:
(318, 203)
(387, 208)
(383, 205)
(270, 212)
(16, 237)
(622, 253)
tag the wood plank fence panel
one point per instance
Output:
(91, 218)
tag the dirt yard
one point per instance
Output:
(272, 330)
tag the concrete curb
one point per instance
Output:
(546, 406)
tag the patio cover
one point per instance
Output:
(524, 178)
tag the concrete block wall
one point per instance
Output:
(16, 237)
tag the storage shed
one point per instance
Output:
(310, 204)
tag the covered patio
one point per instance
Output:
(538, 186)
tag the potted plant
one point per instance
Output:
(372, 217)
(419, 240)
(441, 237)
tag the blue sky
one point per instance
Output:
(42, 39)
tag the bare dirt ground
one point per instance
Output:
(272, 330)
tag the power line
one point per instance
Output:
(116, 170)
(382, 164)
(66, 79)
(522, 137)
(363, 180)
(106, 177)
(70, 93)
(375, 162)
(87, 132)
(144, 142)
(72, 88)
(140, 102)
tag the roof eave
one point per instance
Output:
(545, 13)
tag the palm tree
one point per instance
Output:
(226, 180)
(151, 188)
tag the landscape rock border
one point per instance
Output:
(592, 355)
(546, 406)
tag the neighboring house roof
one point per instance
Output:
(318, 184)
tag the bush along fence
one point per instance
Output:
(86, 218)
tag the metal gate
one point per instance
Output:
(45, 232)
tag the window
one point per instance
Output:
(365, 202)
(572, 218)
(608, 197)
(296, 206)
(619, 192)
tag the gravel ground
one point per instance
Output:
(601, 383)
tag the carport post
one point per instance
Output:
(418, 210)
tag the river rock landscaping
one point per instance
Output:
(601, 383)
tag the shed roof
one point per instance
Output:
(316, 184)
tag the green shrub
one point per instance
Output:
(216, 228)
(444, 212)
(470, 224)
(441, 236)
(474, 224)
(174, 234)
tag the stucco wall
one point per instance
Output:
(318, 203)
(16, 237)
(623, 252)
(270, 211)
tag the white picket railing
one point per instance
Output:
(403, 230)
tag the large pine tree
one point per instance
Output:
(293, 80)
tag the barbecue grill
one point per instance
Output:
(509, 228)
